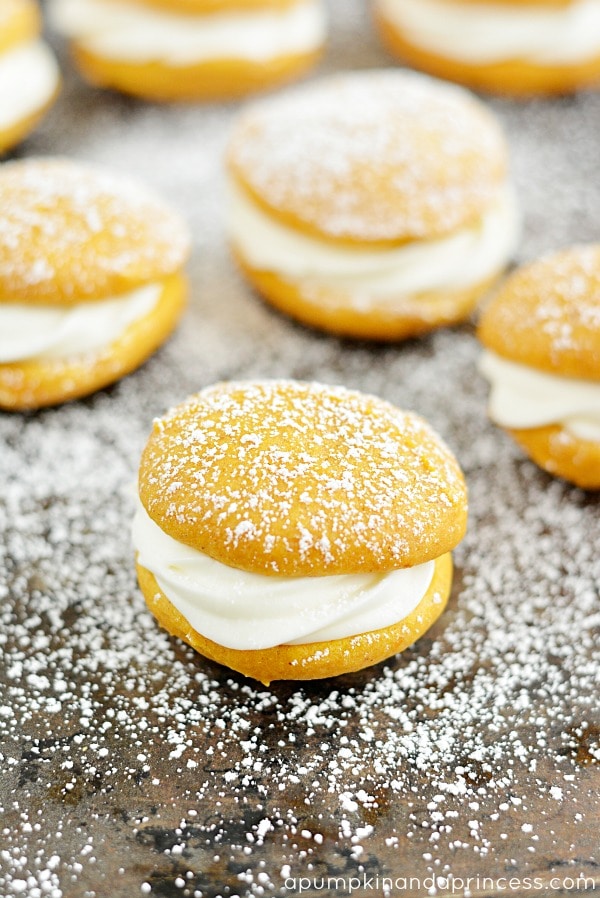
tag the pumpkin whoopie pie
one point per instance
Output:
(90, 279)
(516, 47)
(29, 75)
(373, 204)
(541, 334)
(169, 50)
(294, 530)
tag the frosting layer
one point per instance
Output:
(522, 397)
(29, 333)
(132, 33)
(243, 610)
(462, 259)
(488, 32)
(28, 79)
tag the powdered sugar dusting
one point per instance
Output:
(299, 479)
(130, 766)
(372, 156)
(548, 314)
(70, 231)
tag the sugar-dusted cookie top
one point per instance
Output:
(371, 157)
(19, 21)
(71, 231)
(547, 314)
(300, 479)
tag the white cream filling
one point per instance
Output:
(129, 32)
(492, 32)
(242, 610)
(28, 79)
(463, 259)
(36, 333)
(522, 397)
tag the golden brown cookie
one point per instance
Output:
(294, 530)
(191, 49)
(29, 76)
(542, 338)
(90, 279)
(504, 46)
(375, 204)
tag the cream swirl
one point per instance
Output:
(522, 397)
(462, 259)
(36, 333)
(242, 610)
(127, 31)
(494, 32)
(28, 80)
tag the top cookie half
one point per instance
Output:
(70, 232)
(296, 479)
(382, 157)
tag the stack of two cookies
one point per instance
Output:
(90, 279)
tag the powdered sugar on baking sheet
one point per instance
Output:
(130, 765)
(372, 156)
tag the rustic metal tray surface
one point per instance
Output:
(131, 766)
